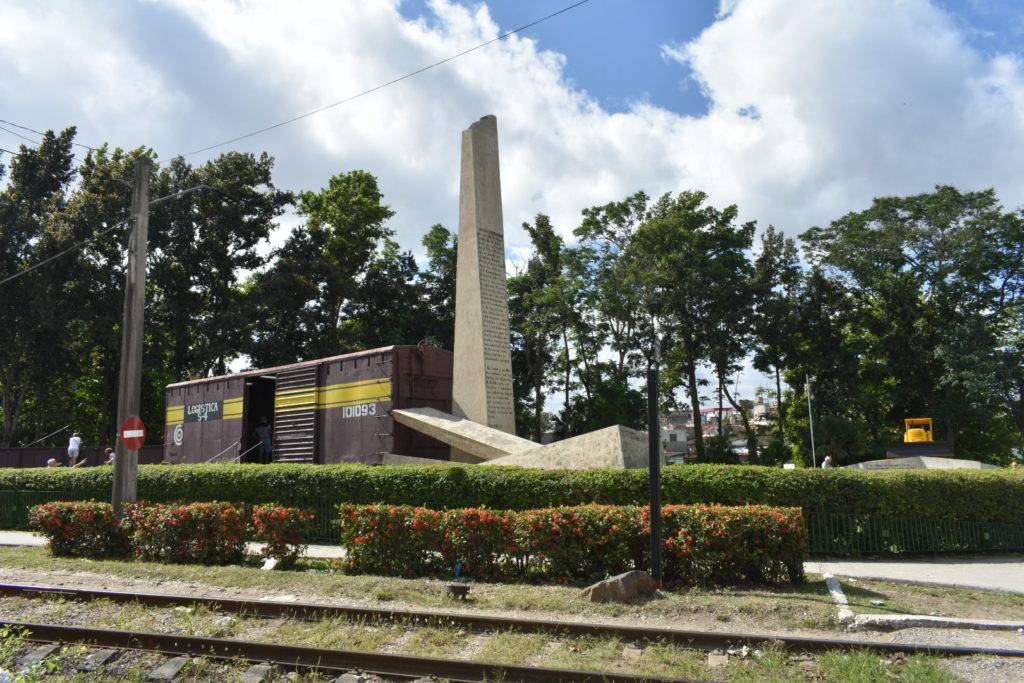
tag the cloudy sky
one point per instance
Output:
(796, 111)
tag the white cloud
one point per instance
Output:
(815, 107)
(812, 112)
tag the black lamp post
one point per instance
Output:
(654, 455)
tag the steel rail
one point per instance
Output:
(320, 659)
(706, 640)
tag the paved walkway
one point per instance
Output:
(1004, 573)
(27, 538)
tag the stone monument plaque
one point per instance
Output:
(482, 383)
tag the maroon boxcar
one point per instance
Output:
(329, 410)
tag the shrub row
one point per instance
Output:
(193, 533)
(702, 544)
(967, 495)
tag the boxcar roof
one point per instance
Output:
(292, 366)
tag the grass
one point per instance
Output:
(333, 633)
(868, 667)
(783, 608)
(904, 598)
(511, 648)
(434, 642)
(773, 666)
(668, 661)
(588, 653)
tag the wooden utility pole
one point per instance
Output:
(129, 396)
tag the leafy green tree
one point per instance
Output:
(202, 241)
(537, 312)
(389, 306)
(299, 301)
(33, 359)
(622, 319)
(96, 295)
(439, 284)
(680, 257)
(937, 280)
(774, 289)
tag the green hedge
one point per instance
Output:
(982, 496)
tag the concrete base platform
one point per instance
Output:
(476, 440)
(921, 462)
(616, 446)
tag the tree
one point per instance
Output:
(202, 241)
(32, 312)
(621, 319)
(439, 284)
(680, 258)
(537, 312)
(95, 296)
(776, 280)
(389, 306)
(937, 279)
(299, 301)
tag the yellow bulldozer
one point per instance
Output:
(917, 440)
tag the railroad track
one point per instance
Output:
(320, 660)
(705, 640)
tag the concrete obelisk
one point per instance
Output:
(482, 384)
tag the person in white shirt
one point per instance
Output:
(74, 445)
(827, 462)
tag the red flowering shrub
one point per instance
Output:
(707, 544)
(284, 531)
(80, 529)
(393, 540)
(481, 539)
(193, 533)
(584, 542)
(702, 544)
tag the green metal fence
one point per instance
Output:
(835, 534)
(828, 533)
(14, 505)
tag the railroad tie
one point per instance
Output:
(97, 660)
(169, 670)
(36, 655)
(258, 673)
(350, 677)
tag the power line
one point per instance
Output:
(74, 246)
(38, 132)
(391, 82)
(23, 137)
(87, 240)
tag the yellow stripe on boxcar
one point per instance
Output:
(367, 391)
(233, 409)
(175, 415)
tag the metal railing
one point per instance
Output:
(46, 437)
(828, 533)
(837, 534)
(234, 445)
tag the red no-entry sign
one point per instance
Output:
(133, 433)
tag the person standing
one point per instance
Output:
(74, 447)
(264, 433)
